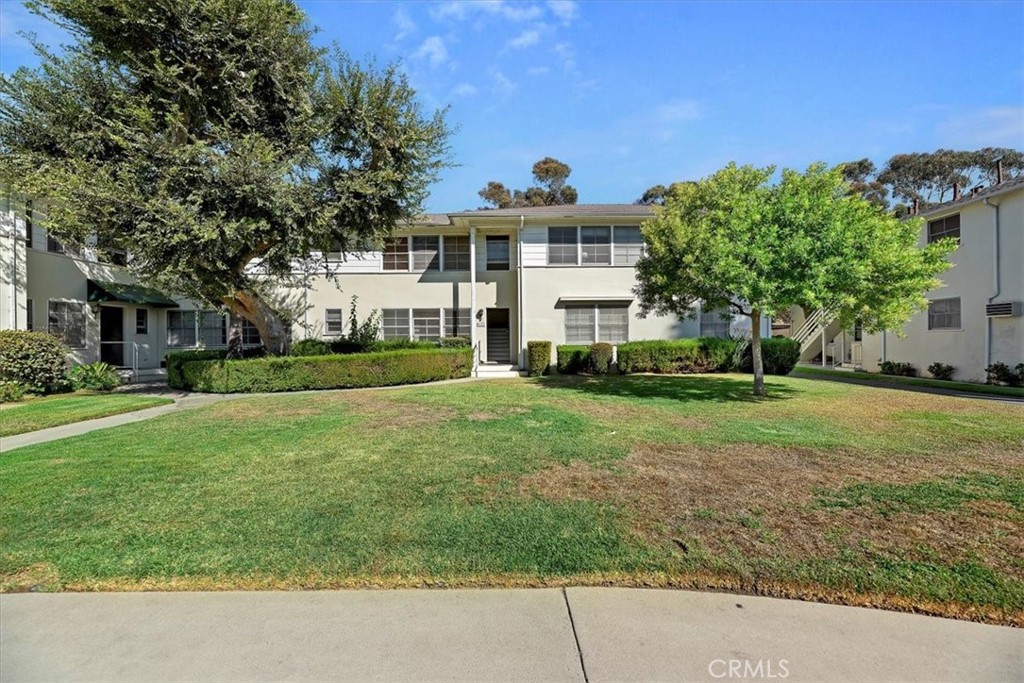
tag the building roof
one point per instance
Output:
(561, 211)
(968, 198)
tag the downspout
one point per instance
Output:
(473, 333)
(519, 304)
(12, 292)
(995, 278)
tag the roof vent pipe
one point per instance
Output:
(956, 191)
(916, 208)
(999, 170)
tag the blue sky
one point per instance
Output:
(639, 93)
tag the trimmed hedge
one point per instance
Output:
(538, 357)
(779, 355)
(175, 359)
(899, 369)
(571, 359)
(36, 360)
(677, 356)
(296, 373)
(310, 347)
(600, 358)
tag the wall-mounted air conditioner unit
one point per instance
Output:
(1006, 309)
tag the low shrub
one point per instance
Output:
(453, 342)
(295, 373)
(1001, 373)
(600, 358)
(311, 347)
(571, 359)
(174, 360)
(889, 367)
(96, 376)
(36, 360)
(677, 356)
(399, 345)
(779, 355)
(344, 346)
(538, 358)
(941, 370)
(11, 392)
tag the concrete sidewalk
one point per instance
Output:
(578, 634)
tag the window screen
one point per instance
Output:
(181, 328)
(426, 252)
(629, 245)
(456, 253)
(497, 252)
(396, 253)
(944, 314)
(395, 323)
(67, 321)
(562, 249)
(613, 324)
(596, 245)
(579, 325)
(944, 227)
(456, 322)
(333, 321)
(715, 323)
(426, 324)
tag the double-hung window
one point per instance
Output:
(250, 334)
(67, 321)
(498, 252)
(563, 248)
(944, 314)
(596, 245)
(395, 323)
(426, 324)
(456, 322)
(629, 245)
(715, 323)
(613, 324)
(595, 322)
(181, 328)
(214, 329)
(579, 324)
(944, 227)
(333, 321)
(396, 254)
(426, 252)
(141, 321)
(456, 252)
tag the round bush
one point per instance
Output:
(35, 360)
(11, 392)
(600, 358)
(538, 357)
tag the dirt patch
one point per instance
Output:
(36, 577)
(762, 502)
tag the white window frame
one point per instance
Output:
(958, 314)
(194, 328)
(329, 314)
(596, 336)
(579, 246)
(145, 322)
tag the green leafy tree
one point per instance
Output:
(551, 189)
(928, 177)
(735, 240)
(861, 176)
(215, 143)
(657, 193)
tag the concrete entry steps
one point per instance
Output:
(575, 634)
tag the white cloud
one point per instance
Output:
(433, 50)
(678, 110)
(405, 25)
(463, 90)
(538, 70)
(459, 10)
(567, 55)
(1000, 126)
(524, 39)
(565, 10)
(502, 85)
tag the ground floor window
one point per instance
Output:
(333, 321)
(214, 331)
(141, 321)
(456, 322)
(30, 317)
(600, 322)
(715, 323)
(426, 324)
(250, 335)
(944, 314)
(395, 323)
(181, 328)
(67, 321)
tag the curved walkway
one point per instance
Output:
(576, 634)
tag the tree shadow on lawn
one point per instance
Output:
(671, 387)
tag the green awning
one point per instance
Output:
(102, 292)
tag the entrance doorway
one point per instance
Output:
(499, 345)
(111, 335)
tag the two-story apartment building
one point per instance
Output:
(975, 318)
(497, 277)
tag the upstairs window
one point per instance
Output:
(497, 252)
(629, 245)
(456, 252)
(426, 252)
(596, 245)
(944, 227)
(53, 245)
(396, 254)
(944, 314)
(562, 246)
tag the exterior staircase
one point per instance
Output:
(497, 371)
(819, 324)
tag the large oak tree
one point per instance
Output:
(215, 143)
(737, 240)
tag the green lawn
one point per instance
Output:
(968, 387)
(823, 491)
(53, 411)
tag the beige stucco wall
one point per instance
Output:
(972, 278)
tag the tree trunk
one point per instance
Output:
(755, 351)
(268, 322)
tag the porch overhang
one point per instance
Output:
(592, 299)
(101, 292)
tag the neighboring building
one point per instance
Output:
(975, 319)
(497, 277)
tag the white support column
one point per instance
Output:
(473, 335)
